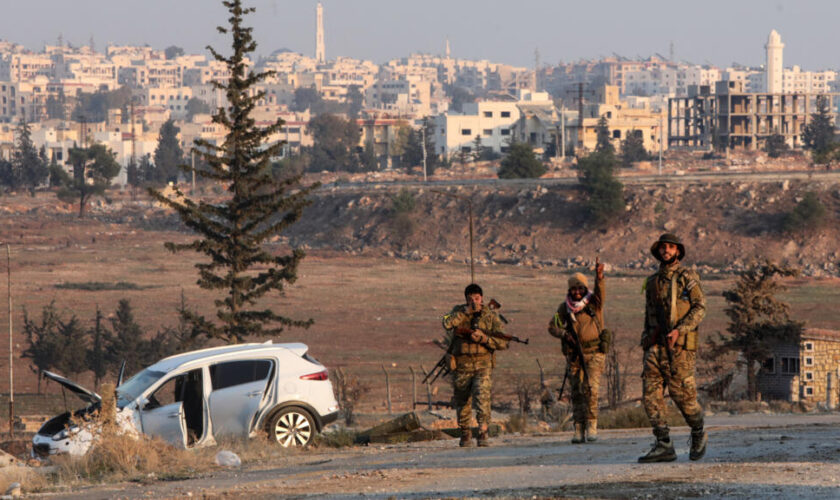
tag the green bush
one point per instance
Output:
(403, 202)
(521, 163)
(808, 214)
(605, 193)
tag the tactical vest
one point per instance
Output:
(679, 303)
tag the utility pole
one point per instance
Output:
(563, 132)
(11, 345)
(423, 142)
(661, 143)
(192, 160)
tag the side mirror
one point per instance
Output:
(141, 403)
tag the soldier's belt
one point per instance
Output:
(472, 357)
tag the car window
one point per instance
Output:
(238, 372)
(135, 386)
(168, 393)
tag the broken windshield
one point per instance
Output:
(136, 385)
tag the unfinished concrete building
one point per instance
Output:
(733, 118)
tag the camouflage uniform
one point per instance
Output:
(473, 363)
(672, 295)
(588, 326)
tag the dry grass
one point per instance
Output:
(31, 480)
(635, 417)
(125, 457)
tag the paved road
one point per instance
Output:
(750, 456)
(690, 178)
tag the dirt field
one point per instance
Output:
(369, 312)
(749, 456)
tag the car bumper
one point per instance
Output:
(328, 419)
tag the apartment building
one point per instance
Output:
(493, 121)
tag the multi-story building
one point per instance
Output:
(409, 96)
(736, 118)
(492, 121)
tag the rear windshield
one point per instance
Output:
(136, 385)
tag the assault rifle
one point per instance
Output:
(663, 328)
(578, 348)
(442, 366)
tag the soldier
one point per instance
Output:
(674, 307)
(471, 328)
(579, 324)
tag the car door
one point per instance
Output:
(238, 388)
(163, 414)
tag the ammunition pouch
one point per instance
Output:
(604, 340)
(688, 341)
(451, 362)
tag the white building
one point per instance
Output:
(493, 121)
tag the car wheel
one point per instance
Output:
(292, 427)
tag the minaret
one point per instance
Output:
(773, 69)
(448, 50)
(320, 52)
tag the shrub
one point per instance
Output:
(403, 202)
(521, 163)
(808, 214)
(635, 417)
(605, 194)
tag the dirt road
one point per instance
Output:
(750, 456)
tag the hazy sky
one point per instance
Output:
(715, 31)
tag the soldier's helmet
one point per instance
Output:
(668, 238)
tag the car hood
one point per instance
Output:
(86, 395)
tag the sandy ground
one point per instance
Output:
(749, 456)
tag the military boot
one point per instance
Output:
(662, 451)
(466, 439)
(482, 439)
(578, 437)
(591, 430)
(699, 438)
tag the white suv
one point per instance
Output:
(192, 399)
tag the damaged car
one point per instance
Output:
(193, 399)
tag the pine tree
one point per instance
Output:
(30, 170)
(520, 163)
(605, 193)
(757, 319)
(232, 232)
(72, 339)
(775, 145)
(44, 347)
(633, 149)
(96, 355)
(126, 341)
(168, 155)
(604, 144)
(818, 134)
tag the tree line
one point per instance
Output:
(65, 343)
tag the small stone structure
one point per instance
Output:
(805, 371)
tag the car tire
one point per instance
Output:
(292, 427)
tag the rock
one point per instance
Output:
(227, 458)
(785, 185)
(670, 225)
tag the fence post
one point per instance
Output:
(428, 388)
(413, 388)
(387, 388)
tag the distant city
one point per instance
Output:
(556, 109)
